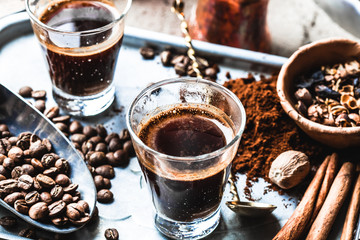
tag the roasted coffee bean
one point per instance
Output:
(75, 127)
(8, 186)
(71, 188)
(37, 149)
(27, 160)
(165, 57)
(210, 72)
(37, 185)
(180, 69)
(63, 165)
(92, 170)
(16, 153)
(38, 94)
(101, 130)
(67, 198)
(11, 198)
(111, 234)
(2, 177)
(62, 126)
(25, 182)
(25, 91)
(57, 192)
(52, 112)
(40, 105)
(121, 158)
(57, 208)
(28, 233)
(105, 171)
(21, 143)
(124, 134)
(9, 163)
(81, 221)
(46, 197)
(4, 171)
(111, 136)
(105, 196)
(38, 211)
(147, 52)
(87, 146)
(129, 148)
(99, 182)
(115, 144)
(62, 119)
(2, 157)
(45, 181)
(21, 206)
(48, 160)
(89, 131)
(77, 146)
(96, 140)
(51, 172)
(62, 180)
(17, 172)
(97, 158)
(3, 127)
(8, 222)
(46, 142)
(3, 149)
(28, 169)
(32, 197)
(81, 154)
(101, 147)
(73, 211)
(60, 221)
(13, 140)
(78, 137)
(84, 205)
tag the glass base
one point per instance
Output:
(87, 105)
(188, 230)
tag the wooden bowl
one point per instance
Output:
(306, 59)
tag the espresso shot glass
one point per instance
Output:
(186, 132)
(80, 40)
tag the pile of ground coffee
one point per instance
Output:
(269, 130)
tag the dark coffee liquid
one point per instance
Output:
(185, 132)
(84, 70)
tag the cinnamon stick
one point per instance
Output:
(325, 186)
(352, 213)
(339, 189)
(296, 224)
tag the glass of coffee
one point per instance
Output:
(186, 132)
(80, 40)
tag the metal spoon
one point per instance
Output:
(20, 117)
(251, 209)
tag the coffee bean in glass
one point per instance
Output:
(111, 234)
(8, 222)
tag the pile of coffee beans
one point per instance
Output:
(182, 63)
(101, 150)
(35, 180)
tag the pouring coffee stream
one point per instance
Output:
(242, 208)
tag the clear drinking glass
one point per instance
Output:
(186, 132)
(80, 40)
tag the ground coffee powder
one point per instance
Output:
(269, 130)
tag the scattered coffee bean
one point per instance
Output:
(105, 196)
(28, 233)
(25, 91)
(147, 52)
(111, 234)
(40, 105)
(52, 112)
(105, 171)
(75, 127)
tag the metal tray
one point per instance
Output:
(21, 63)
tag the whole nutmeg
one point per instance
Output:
(289, 169)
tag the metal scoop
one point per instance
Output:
(20, 117)
(251, 209)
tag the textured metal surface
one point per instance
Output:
(21, 63)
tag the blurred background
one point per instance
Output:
(291, 23)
